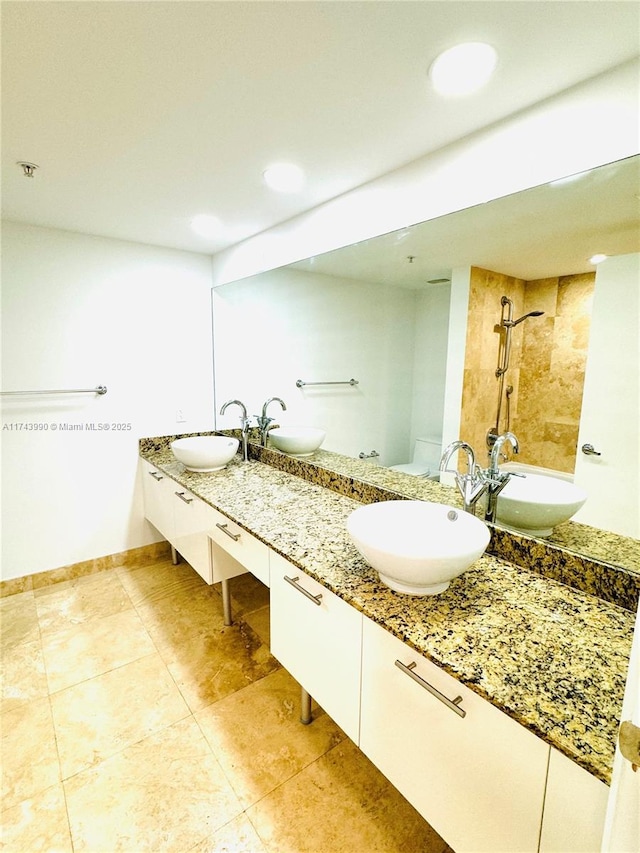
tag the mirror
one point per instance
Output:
(391, 313)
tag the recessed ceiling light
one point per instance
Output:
(597, 259)
(206, 225)
(284, 177)
(463, 69)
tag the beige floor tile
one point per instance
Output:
(248, 594)
(341, 804)
(18, 620)
(80, 600)
(83, 651)
(37, 824)
(238, 836)
(29, 755)
(99, 717)
(176, 620)
(260, 622)
(22, 675)
(258, 739)
(148, 583)
(214, 666)
(166, 792)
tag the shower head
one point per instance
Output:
(524, 317)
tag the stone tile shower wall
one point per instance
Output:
(547, 364)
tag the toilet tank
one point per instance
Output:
(428, 451)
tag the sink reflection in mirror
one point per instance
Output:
(417, 547)
(297, 440)
(535, 503)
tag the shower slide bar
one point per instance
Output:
(301, 384)
(100, 389)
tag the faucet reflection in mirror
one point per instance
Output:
(264, 420)
(244, 423)
(479, 481)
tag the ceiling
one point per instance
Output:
(542, 232)
(141, 115)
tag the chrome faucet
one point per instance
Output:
(264, 421)
(477, 481)
(244, 421)
(495, 479)
(470, 485)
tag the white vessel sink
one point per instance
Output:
(535, 503)
(417, 547)
(205, 452)
(298, 441)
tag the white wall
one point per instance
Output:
(430, 362)
(78, 311)
(610, 418)
(275, 328)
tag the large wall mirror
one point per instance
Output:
(413, 318)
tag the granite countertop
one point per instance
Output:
(552, 657)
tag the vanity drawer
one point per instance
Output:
(242, 546)
(190, 531)
(478, 779)
(157, 491)
(317, 637)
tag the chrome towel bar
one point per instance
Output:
(301, 383)
(100, 389)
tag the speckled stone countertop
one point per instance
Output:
(553, 658)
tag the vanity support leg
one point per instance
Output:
(226, 602)
(174, 556)
(305, 707)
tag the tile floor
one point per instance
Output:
(134, 720)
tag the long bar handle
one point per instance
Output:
(300, 383)
(453, 704)
(317, 599)
(225, 529)
(182, 497)
(156, 476)
(100, 389)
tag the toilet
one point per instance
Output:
(426, 460)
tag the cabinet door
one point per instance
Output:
(479, 779)
(574, 808)
(249, 552)
(317, 637)
(157, 490)
(190, 537)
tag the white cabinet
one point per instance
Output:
(479, 780)
(574, 808)
(317, 637)
(157, 489)
(235, 541)
(191, 522)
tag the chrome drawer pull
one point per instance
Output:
(317, 599)
(182, 497)
(224, 528)
(156, 476)
(450, 703)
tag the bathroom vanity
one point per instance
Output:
(493, 707)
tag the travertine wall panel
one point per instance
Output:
(547, 364)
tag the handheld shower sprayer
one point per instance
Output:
(507, 323)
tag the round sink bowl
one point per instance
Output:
(298, 441)
(205, 452)
(417, 547)
(535, 503)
